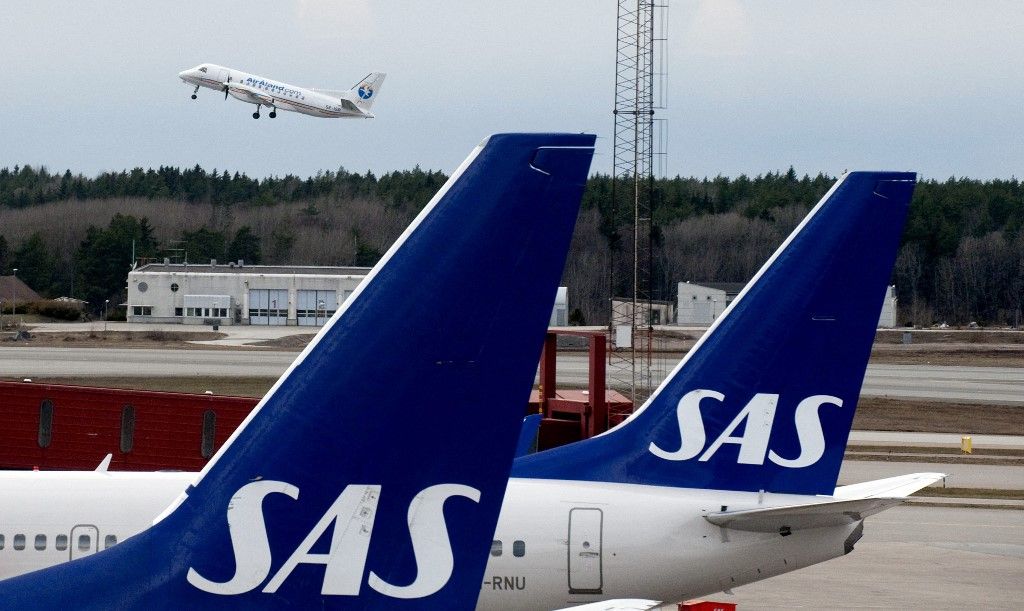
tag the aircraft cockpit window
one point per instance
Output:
(109, 541)
(495, 548)
(202, 69)
(84, 543)
(40, 542)
(61, 543)
(19, 542)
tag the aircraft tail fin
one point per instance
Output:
(364, 93)
(371, 475)
(765, 399)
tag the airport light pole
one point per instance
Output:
(14, 295)
(105, 303)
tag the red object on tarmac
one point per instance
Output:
(706, 605)
(53, 426)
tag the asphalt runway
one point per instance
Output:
(972, 384)
(959, 475)
(910, 558)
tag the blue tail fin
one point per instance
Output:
(766, 398)
(372, 473)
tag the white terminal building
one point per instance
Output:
(236, 293)
(239, 294)
(701, 304)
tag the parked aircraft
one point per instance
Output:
(726, 476)
(348, 484)
(261, 91)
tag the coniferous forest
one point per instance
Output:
(962, 257)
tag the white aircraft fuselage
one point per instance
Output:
(262, 91)
(561, 542)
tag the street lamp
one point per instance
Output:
(105, 302)
(14, 295)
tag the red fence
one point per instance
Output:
(52, 426)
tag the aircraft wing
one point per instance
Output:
(622, 604)
(901, 485)
(850, 504)
(251, 92)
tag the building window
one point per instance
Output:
(45, 423)
(60, 543)
(142, 310)
(174, 287)
(178, 311)
(40, 542)
(109, 541)
(519, 549)
(495, 548)
(19, 542)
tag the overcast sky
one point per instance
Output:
(822, 85)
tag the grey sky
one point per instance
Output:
(823, 85)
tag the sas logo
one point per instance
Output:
(757, 418)
(365, 91)
(352, 515)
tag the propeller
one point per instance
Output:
(226, 87)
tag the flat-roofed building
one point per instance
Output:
(236, 293)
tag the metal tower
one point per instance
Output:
(638, 143)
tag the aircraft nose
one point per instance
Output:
(183, 74)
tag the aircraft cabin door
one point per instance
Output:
(85, 541)
(220, 74)
(585, 526)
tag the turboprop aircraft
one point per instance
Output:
(727, 475)
(349, 485)
(261, 91)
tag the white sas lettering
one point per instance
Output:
(808, 432)
(352, 515)
(757, 418)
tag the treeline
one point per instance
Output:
(962, 257)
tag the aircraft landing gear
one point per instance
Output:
(256, 115)
(195, 92)
(273, 113)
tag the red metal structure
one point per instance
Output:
(53, 426)
(50, 426)
(572, 415)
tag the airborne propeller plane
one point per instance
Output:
(261, 91)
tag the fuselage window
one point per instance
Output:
(109, 541)
(60, 543)
(495, 548)
(84, 543)
(19, 542)
(2, 541)
(40, 542)
(519, 549)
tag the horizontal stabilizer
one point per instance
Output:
(899, 486)
(798, 517)
(622, 604)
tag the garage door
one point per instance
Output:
(268, 306)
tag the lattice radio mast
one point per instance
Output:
(639, 146)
